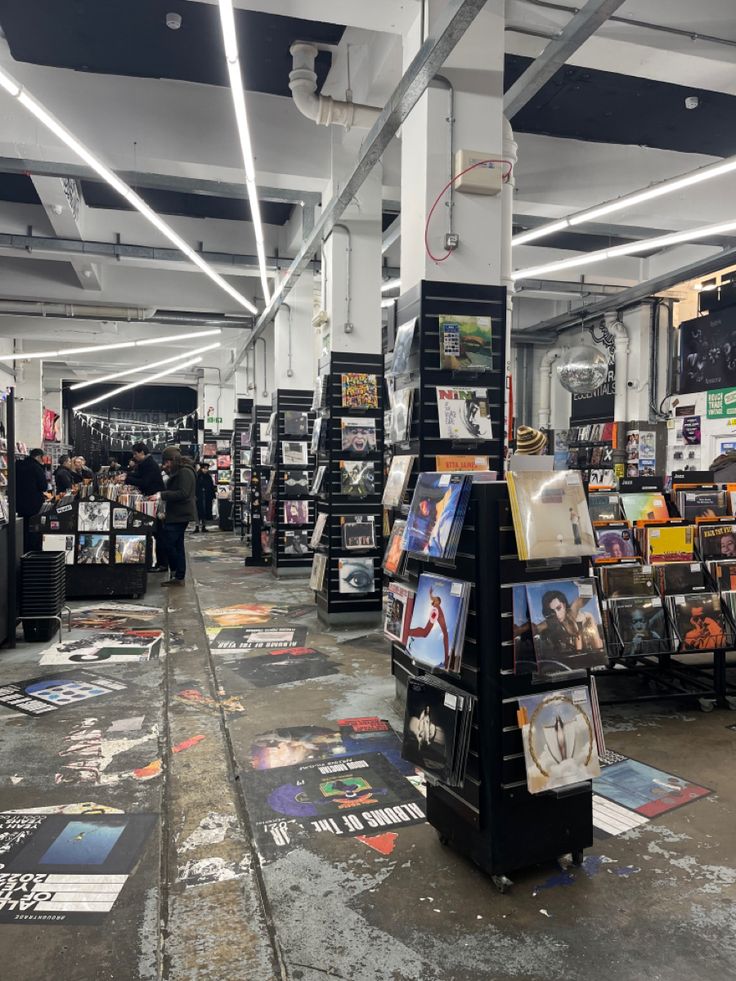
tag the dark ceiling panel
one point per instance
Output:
(388, 218)
(130, 37)
(18, 188)
(605, 107)
(188, 205)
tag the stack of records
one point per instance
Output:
(681, 577)
(550, 514)
(717, 541)
(627, 580)
(604, 506)
(394, 559)
(437, 630)
(437, 727)
(722, 573)
(399, 605)
(710, 503)
(437, 514)
(640, 625)
(43, 586)
(699, 621)
(728, 598)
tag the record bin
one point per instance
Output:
(260, 527)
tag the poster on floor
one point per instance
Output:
(39, 696)
(282, 667)
(67, 869)
(645, 789)
(115, 646)
(107, 616)
(255, 638)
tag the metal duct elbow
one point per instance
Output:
(323, 109)
(545, 392)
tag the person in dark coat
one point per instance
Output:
(146, 475)
(64, 475)
(723, 468)
(31, 485)
(205, 496)
(181, 508)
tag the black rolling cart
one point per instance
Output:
(260, 526)
(284, 560)
(492, 818)
(241, 458)
(350, 564)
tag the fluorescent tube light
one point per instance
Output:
(8, 83)
(134, 368)
(385, 304)
(144, 381)
(118, 345)
(230, 40)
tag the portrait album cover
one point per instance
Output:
(358, 435)
(525, 658)
(615, 541)
(465, 343)
(717, 541)
(699, 620)
(437, 514)
(702, 504)
(296, 542)
(557, 730)
(356, 575)
(683, 577)
(437, 722)
(397, 481)
(644, 506)
(359, 390)
(464, 413)
(93, 550)
(357, 478)
(399, 602)
(566, 625)
(640, 624)
(402, 348)
(437, 629)
(94, 516)
(296, 512)
(550, 514)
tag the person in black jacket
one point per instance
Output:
(181, 508)
(31, 486)
(146, 475)
(205, 492)
(64, 475)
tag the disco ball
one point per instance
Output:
(584, 370)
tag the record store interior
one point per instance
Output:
(367, 490)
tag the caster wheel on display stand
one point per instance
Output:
(706, 704)
(577, 858)
(502, 883)
(731, 702)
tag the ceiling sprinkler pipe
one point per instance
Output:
(545, 392)
(323, 109)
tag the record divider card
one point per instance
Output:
(284, 563)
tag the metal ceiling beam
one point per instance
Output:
(391, 235)
(604, 229)
(572, 288)
(575, 33)
(635, 294)
(455, 19)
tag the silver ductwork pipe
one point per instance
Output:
(96, 311)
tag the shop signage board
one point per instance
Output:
(721, 403)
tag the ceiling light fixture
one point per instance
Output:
(627, 201)
(631, 248)
(144, 381)
(146, 367)
(8, 83)
(230, 40)
(29, 355)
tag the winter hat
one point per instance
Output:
(530, 442)
(171, 453)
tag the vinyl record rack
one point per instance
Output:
(492, 818)
(283, 564)
(333, 606)
(238, 456)
(259, 526)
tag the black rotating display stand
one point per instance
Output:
(286, 400)
(242, 424)
(258, 476)
(334, 607)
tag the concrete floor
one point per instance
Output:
(210, 902)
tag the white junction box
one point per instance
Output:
(485, 179)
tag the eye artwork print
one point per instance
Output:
(356, 576)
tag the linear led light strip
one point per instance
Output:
(8, 83)
(94, 348)
(644, 245)
(143, 381)
(229, 36)
(142, 367)
(628, 201)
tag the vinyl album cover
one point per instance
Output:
(436, 514)
(318, 389)
(296, 542)
(550, 514)
(461, 464)
(283, 667)
(42, 695)
(566, 625)
(437, 628)
(632, 446)
(615, 542)
(430, 728)
(700, 621)
(111, 646)
(296, 423)
(395, 556)
(314, 446)
(296, 481)
(246, 438)
(399, 602)
(641, 625)
(559, 740)
(318, 480)
(718, 541)
(296, 512)
(358, 435)
(645, 789)
(264, 432)
(256, 638)
(669, 543)
(397, 480)
(627, 580)
(224, 461)
(645, 506)
(319, 527)
(130, 549)
(723, 574)
(703, 504)
(464, 413)
(356, 575)
(319, 567)
(680, 577)
(294, 453)
(465, 343)
(59, 543)
(402, 348)
(358, 531)
(209, 449)
(94, 516)
(357, 478)
(525, 658)
(401, 404)
(604, 507)
(359, 391)
(93, 550)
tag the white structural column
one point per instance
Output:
(293, 346)
(475, 72)
(29, 402)
(352, 257)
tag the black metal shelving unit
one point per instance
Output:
(283, 564)
(255, 503)
(241, 513)
(334, 607)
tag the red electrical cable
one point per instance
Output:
(445, 189)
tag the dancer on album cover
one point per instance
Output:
(436, 619)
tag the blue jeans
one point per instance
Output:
(173, 533)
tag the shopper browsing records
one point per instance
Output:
(530, 442)
(82, 469)
(146, 474)
(205, 496)
(64, 475)
(31, 486)
(180, 500)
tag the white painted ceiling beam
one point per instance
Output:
(65, 207)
